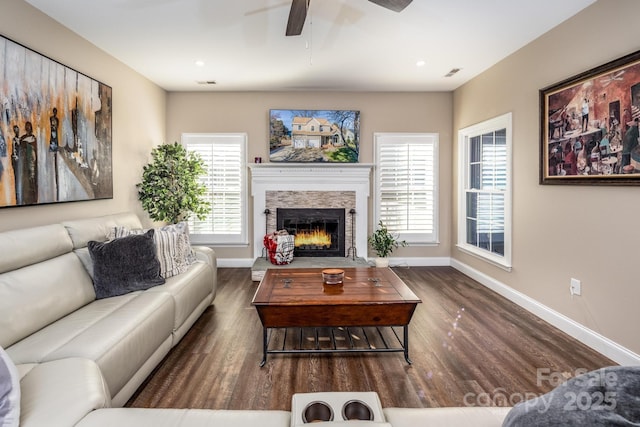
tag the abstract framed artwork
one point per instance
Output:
(314, 136)
(55, 131)
(589, 126)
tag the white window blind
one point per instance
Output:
(406, 185)
(224, 155)
(484, 224)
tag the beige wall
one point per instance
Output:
(138, 113)
(559, 232)
(380, 112)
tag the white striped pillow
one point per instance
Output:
(183, 229)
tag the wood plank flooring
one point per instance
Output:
(468, 345)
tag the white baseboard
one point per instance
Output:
(418, 261)
(596, 341)
(393, 262)
(235, 262)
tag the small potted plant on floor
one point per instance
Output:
(383, 243)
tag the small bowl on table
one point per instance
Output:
(333, 276)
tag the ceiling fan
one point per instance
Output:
(299, 9)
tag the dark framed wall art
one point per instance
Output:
(589, 126)
(55, 131)
(314, 136)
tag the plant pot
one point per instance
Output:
(382, 262)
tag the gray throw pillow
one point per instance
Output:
(9, 392)
(604, 397)
(170, 249)
(124, 265)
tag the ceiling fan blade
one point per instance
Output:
(395, 5)
(297, 16)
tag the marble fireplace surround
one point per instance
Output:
(321, 185)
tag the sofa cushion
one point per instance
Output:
(188, 290)
(124, 265)
(28, 303)
(120, 334)
(28, 246)
(157, 417)
(9, 392)
(60, 393)
(82, 231)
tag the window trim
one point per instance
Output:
(504, 121)
(413, 239)
(228, 240)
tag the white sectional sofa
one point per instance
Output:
(51, 317)
(79, 359)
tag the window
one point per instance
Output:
(484, 214)
(406, 191)
(224, 155)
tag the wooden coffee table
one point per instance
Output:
(369, 297)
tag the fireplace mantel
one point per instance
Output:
(301, 177)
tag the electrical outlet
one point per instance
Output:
(575, 288)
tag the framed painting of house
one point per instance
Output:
(55, 131)
(589, 126)
(316, 136)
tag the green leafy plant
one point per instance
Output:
(170, 190)
(383, 242)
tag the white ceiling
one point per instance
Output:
(346, 45)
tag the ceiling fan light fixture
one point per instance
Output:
(394, 5)
(297, 16)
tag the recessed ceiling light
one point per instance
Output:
(200, 63)
(420, 63)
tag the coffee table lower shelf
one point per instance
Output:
(352, 339)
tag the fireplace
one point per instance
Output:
(327, 185)
(319, 232)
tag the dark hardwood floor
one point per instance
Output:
(468, 345)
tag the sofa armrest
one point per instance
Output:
(61, 392)
(208, 255)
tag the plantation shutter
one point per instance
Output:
(486, 190)
(406, 185)
(225, 180)
(484, 184)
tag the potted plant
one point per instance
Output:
(383, 243)
(170, 190)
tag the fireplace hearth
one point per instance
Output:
(319, 232)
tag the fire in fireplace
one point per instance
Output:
(318, 232)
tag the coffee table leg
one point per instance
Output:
(264, 347)
(406, 344)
